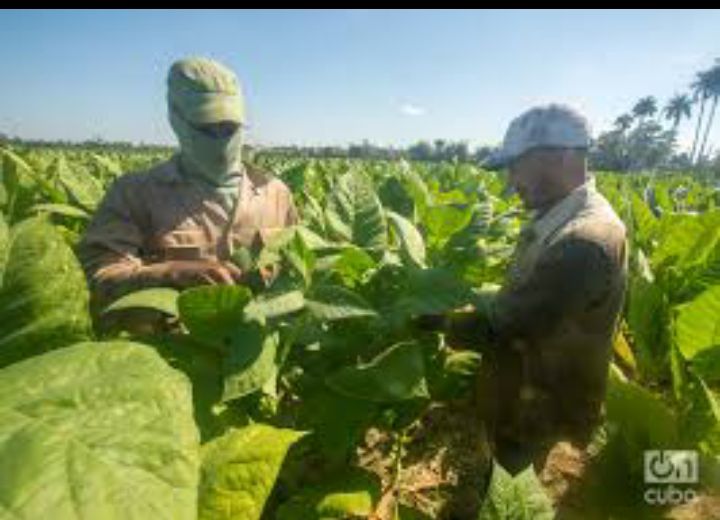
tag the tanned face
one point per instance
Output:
(542, 177)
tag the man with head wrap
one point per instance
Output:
(178, 223)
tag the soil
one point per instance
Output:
(446, 463)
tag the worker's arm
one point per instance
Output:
(111, 251)
(572, 276)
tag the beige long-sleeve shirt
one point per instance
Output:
(159, 215)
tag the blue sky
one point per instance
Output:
(332, 77)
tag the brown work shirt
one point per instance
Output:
(159, 215)
(555, 319)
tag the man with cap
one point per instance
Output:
(177, 224)
(551, 326)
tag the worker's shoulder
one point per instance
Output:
(596, 223)
(595, 237)
(165, 172)
(265, 178)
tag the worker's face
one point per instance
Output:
(537, 176)
(212, 151)
(219, 130)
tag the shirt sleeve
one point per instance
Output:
(573, 276)
(292, 216)
(110, 249)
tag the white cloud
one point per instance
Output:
(409, 109)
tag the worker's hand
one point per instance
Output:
(465, 328)
(190, 273)
(431, 322)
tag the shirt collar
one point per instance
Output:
(564, 210)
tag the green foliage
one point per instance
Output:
(327, 343)
(92, 421)
(355, 214)
(162, 299)
(397, 374)
(334, 302)
(698, 324)
(520, 497)
(211, 314)
(43, 297)
(351, 495)
(239, 470)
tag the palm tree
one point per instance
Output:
(623, 122)
(645, 107)
(711, 78)
(701, 94)
(679, 107)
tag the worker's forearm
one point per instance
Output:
(115, 280)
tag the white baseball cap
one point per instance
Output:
(550, 126)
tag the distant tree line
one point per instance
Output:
(435, 151)
(646, 137)
(90, 144)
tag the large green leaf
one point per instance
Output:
(697, 327)
(84, 190)
(642, 418)
(706, 364)
(203, 366)
(685, 239)
(274, 306)
(701, 416)
(44, 298)
(355, 213)
(22, 186)
(300, 257)
(213, 313)
(63, 210)
(163, 299)
(646, 225)
(429, 291)
(415, 187)
(337, 423)
(444, 221)
(250, 363)
(332, 302)
(707, 240)
(239, 471)
(311, 239)
(350, 495)
(97, 430)
(398, 374)
(353, 265)
(515, 498)
(648, 319)
(106, 164)
(411, 241)
(395, 196)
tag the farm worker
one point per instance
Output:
(553, 322)
(177, 223)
